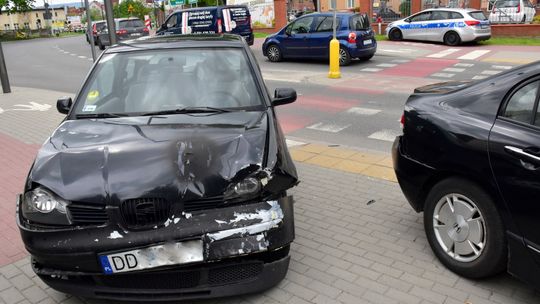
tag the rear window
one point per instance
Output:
(358, 23)
(130, 23)
(478, 15)
(506, 3)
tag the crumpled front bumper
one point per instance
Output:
(252, 236)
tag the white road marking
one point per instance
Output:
(363, 111)
(371, 70)
(455, 70)
(501, 67)
(444, 53)
(293, 143)
(269, 78)
(401, 60)
(332, 128)
(73, 54)
(392, 51)
(444, 75)
(82, 57)
(465, 65)
(478, 77)
(90, 59)
(386, 65)
(386, 135)
(474, 54)
(490, 72)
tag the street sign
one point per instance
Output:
(192, 1)
(172, 2)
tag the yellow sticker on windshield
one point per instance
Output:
(92, 96)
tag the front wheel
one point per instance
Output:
(273, 53)
(395, 35)
(452, 39)
(464, 229)
(344, 57)
(100, 45)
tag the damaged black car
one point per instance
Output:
(167, 179)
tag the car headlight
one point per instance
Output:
(247, 187)
(42, 206)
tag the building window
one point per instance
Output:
(16, 26)
(27, 25)
(37, 15)
(55, 14)
(6, 27)
(350, 3)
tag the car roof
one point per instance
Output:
(178, 41)
(129, 18)
(450, 9)
(326, 14)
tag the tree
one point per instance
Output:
(95, 14)
(12, 6)
(130, 8)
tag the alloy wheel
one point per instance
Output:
(342, 56)
(459, 227)
(273, 53)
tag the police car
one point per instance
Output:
(449, 25)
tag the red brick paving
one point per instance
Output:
(15, 160)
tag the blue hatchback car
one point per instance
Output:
(309, 37)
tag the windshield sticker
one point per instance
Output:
(92, 96)
(89, 108)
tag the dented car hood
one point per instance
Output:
(176, 157)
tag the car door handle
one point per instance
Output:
(526, 155)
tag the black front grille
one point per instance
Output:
(157, 280)
(234, 273)
(87, 215)
(203, 204)
(144, 212)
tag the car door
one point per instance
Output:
(437, 25)
(171, 25)
(295, 43)
(415, 29)
(321, 36)
(514, 151)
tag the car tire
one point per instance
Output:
(344, 57)
(452, 39)
(274, 53)
(395, 35)
(464, 229)
(100, 45)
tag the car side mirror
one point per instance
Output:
(283, 96)
(407, 20)
(163, 27)
(63, 105)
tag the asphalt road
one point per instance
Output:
(360, 110)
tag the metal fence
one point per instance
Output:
(390, 10)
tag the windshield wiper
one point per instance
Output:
(188, 110)
(100, 115)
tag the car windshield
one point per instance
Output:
(506, 3)
(131, 23)
(359, 22)
(142, 82)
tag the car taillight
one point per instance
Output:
(472, 22)
(352, 37)
(146, 30)
(519, 7)
(219, 29)
(250, 25)
(121, 32)
(402, 121)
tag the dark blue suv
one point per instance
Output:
(309, 37)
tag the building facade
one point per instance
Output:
(31, 20)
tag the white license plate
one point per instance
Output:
(484, 26)
(135, 34)
(154, 256)
(368, 41)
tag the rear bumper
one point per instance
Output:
(470, 34)
(359, 52)
(411, 175)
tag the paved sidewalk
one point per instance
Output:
(346, 250)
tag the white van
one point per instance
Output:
(512, 11)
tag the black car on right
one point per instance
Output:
(469, 158)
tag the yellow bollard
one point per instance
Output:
(334, 59)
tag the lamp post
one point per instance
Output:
(89, 29)
(3, 73)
